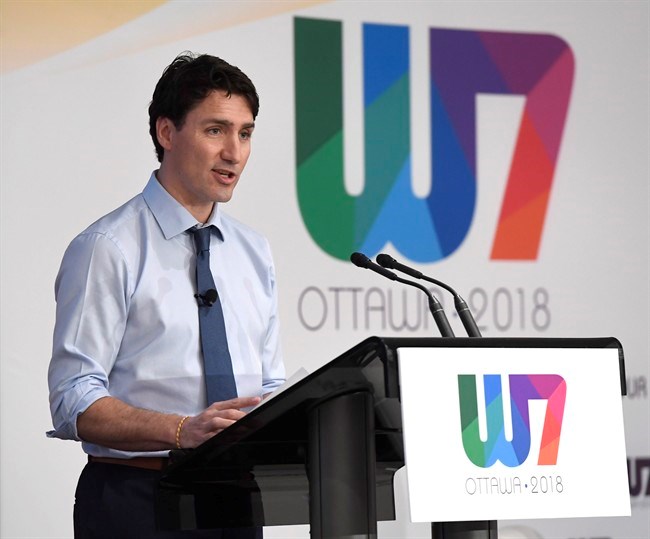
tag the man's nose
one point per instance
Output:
(231, 150)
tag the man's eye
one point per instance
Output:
(245, 135)
(214, 130)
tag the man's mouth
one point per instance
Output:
(226, 175)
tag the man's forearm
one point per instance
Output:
(111, 422)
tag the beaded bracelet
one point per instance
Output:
(178, 432)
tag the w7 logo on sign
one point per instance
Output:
(463, 64)
(523, 388)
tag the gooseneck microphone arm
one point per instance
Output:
(465, 315)
(362, 261)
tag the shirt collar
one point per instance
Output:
(171, 216)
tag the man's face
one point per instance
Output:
(205, 157)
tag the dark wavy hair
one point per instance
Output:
(187, 81)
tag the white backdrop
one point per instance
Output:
(75, 145)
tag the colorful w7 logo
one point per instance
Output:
(463, 64)
(523, 388)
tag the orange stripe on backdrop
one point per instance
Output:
(523, 213)
(33, 30)
(520, 233)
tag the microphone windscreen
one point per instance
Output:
(359, 259)
(210, 296)
(386, 261)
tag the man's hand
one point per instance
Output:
(199, 428)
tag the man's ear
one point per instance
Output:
(165, 130)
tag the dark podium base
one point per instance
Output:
(341, 467)
(483, 529)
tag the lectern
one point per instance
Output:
(323, 452)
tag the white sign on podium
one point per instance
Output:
(513, 433)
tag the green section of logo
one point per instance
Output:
(326, 208)
(469, 419)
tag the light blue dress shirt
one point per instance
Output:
(127, 319)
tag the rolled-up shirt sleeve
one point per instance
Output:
(92, 291)
(273, 371)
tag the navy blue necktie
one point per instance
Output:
(219, 378)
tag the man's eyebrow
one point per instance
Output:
(228, 123)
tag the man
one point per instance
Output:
(127, 373)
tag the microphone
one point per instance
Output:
(362, 261)
(465, 315)
(208, 299)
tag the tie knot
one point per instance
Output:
(201, 238)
